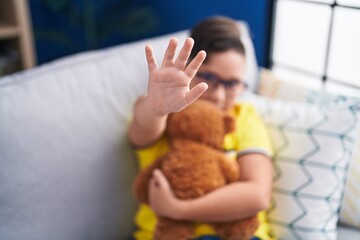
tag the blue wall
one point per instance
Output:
(183, 14)
(63, 27)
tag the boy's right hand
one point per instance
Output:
(169, 86)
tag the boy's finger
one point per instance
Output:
(168, 60)
(160, 179)
(152, 65)
(195, 92)
(153, 182)
(195, 64)
(184, 54)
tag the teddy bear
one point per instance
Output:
(196, 165)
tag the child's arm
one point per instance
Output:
(235, 201)
(168, 91)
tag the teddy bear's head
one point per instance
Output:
(202, 122)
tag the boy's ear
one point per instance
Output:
(229, 123)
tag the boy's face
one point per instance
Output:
(224, 73)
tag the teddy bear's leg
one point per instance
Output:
(237, 230)
(169, 229)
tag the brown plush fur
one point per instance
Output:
(194, 166)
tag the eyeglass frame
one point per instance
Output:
(229, 84)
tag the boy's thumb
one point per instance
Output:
(160, 179)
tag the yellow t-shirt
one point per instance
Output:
(250, 137)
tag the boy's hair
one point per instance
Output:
(216, 34)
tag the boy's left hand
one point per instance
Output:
(161, 197)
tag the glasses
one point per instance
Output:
(213, 81)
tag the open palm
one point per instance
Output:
(169, 86)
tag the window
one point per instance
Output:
(317, 43)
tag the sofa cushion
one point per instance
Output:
(275, 87)
(66, 167)
(312, 149)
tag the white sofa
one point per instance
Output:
(66, 168)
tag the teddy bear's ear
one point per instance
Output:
(229, 123)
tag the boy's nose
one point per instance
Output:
(218, 94)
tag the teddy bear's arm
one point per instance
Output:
(142, 180)
(229, 168)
